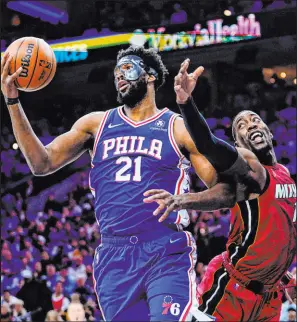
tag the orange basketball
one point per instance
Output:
(38, 61)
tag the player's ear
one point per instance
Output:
(151, 78)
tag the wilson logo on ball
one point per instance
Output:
(25, 61)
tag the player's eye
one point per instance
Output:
(127, 66)
(256, 119)
(240, 126)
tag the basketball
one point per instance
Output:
(38, 61)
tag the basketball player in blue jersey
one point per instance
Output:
(143, 269)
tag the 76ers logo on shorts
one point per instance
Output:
(169, 306)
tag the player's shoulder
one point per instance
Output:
(254, 163)
(89, 122)
(179, 123)
(247, 154)
(284, 169)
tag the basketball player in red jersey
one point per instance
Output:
(243, 283)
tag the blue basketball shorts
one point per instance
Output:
(138, 279)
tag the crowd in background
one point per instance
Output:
(49, 251)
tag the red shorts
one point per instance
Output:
(219, 295)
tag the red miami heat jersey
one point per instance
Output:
(262, 240)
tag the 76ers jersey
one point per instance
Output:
(128, 159)
(262, 242)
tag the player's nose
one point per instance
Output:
(252, 126)
(119, 76)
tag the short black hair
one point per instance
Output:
(151, 58)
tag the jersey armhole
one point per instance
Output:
(99, 132)
(266, 183)
(172, 140)
(286, 169)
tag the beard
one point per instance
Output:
(136, 92)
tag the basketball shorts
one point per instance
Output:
(220, 296)
(140, 279)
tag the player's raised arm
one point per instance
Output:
(41, 159)
(224, 158)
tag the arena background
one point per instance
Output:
(48, 230)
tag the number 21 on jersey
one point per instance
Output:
(128, 169)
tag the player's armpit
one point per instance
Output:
(70, 145)
(202, 166)
(248, 173)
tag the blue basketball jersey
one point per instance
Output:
(128, 159)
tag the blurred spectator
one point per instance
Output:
(53, 316)
(7, 299)
(18, 309)
(37, 270)
(292, 313)
(77, 269)
(59, 300)
(69, 283)
(218, 229)
(51, 277)
(52, 203)
(5, 314)
(45, 261)
(90, 307)
(179, 16)
(76, 310)
(82, 289)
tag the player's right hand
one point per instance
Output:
(8, 86)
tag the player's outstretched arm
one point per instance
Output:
(41, 159)
(224, 158)
(221, 195)
(224, 194)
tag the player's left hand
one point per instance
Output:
(165, 200)
(185, 83)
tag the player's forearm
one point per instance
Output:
(34, 151)
(219, 196)
(218, 152)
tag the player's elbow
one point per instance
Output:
(40, 172)
(41, 169)
(228, 199)
(231, 201)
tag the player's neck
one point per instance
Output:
(142, 110)
(267, 157)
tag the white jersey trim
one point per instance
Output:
(192, 304)
(99, 132)
(144, 122)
